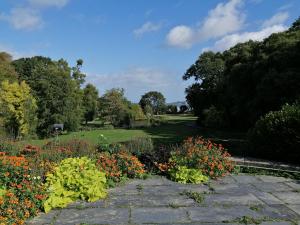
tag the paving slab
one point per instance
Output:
(220, 214)
(295, 208)
(161, 201)
(288, 197)
(93, 216)
(158, 215)
(272, 187)
(233, 199)
(246, 179)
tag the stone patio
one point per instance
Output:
(239, 199)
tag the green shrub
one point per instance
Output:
(74, 178)
(198, 153)
(184, 175)
(276, 136)
(9, 147)
(140, 146)
(213, 118)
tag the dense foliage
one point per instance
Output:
(74, 178)
(17, 108)
(153, 102)
(246, 81)
(22, 193)
(182, 174)
(210, 159)
(57, 92)
(277, 135)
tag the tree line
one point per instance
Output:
(234, 88)
(37, 92)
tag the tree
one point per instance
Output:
(183, 108)
(58, 95)
(155, 100)
(18, 108)
(7, 71)
(172, 109)
(114, 107)
(90, 103)
(248, 80)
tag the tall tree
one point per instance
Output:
(58, 95)
(248, 80)
(18, 108)
(114, 107)
(155, 100)
(7, 71)
(90, 103)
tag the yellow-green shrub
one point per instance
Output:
(184, 175)
(74, 178)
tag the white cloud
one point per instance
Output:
(28, 16)
(147, 28)
(181, 36)
(136, 81)
(48, 3)
(225, 18)
(23, 18)
(278, 18)
(231, 40)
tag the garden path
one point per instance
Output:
(236, 199)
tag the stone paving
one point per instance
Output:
(237, 199)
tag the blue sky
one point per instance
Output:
(138, 45)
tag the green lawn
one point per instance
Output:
(174, 130)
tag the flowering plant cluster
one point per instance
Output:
(22, 193)
(120, 165)
(30, 150)
(198, 153)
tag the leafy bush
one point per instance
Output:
(276, 136)
(184, 175)
(197, 153)
(213, 118)
(120, 166)
(22, 194)
(9, 147)
(30, 150)
(74, 178)
(108, 164)
(140, 146)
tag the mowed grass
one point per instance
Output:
(174, 129)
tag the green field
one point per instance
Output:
(173, 130)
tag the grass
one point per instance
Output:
(175, 129)
(196, 196)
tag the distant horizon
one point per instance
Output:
(143, 48)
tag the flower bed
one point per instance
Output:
(35, 179)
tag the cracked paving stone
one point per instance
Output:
(220, 214)
(93, 216)
(288, 197)
(242, 199)
(44, 218)
(158, 215)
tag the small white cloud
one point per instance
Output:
(48, 3)
(278, 18)
(23, 18)
(231, 40)
(181, 36)
(147, 28)
(225, 18)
